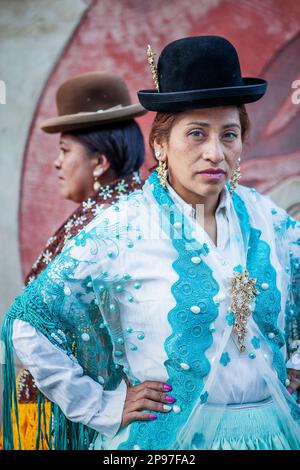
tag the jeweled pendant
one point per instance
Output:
(243, 292)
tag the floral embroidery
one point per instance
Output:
(121, 187)
(255, 341)
(88, 204)
(136, 177)
(230, 319)
(198, 441)
(106, 192)
(98, 209)
(47, 257)
(204, 397)
(80, 221)
(51, 240)
(225, 359)
(69, 225)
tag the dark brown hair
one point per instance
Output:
(121, 142)
(163, 122)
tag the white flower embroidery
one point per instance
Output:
(98, 209)
(121, 187)
(69, 225)
(47, 256)
(88, 204)
(80, 220)
(51, 240)
(37, 262)
(106, 192)
(136, 177)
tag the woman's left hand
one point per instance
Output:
(294, 377)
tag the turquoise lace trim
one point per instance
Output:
(268, 302)
(191, 335)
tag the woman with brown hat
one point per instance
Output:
(101, 152)
(196, 278)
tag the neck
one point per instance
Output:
(210, 202)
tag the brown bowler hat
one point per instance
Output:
(89, 100)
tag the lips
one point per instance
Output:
(212, 171)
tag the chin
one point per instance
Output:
(209, 190)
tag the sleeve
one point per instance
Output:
(287, 233)
(62, 380)
(293, 305)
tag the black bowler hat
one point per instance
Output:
(200, 72)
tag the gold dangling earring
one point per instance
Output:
(235, 178)
(162, 171)
(96, 176)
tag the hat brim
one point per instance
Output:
(71, 122)
(252, 90)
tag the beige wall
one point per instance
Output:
(33, 34)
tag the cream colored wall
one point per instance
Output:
(33, 34)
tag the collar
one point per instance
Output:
(224, 202)
(184, 206)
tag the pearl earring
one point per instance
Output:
(96, 174)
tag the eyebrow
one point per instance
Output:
(205, 124)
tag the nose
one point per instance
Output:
(213, 151)
(58, 162)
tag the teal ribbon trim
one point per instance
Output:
(268, 302)
(191, 335)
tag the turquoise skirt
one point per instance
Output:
(253, 427)
(256, 426)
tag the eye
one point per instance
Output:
(196, 133)
(230, 135)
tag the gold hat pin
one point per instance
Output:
(151, 54)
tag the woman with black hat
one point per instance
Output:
(199, 288)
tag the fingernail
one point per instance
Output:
(170, 399)
(152, 416)
(167, 408)
(167, 387)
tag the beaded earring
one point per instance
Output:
(162, 170)
(235, 178)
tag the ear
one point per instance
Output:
(160, 150)
(100, 163)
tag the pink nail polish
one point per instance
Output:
(152, 416)
(170, 399)
(167, 387)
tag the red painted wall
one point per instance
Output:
(113, 36)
